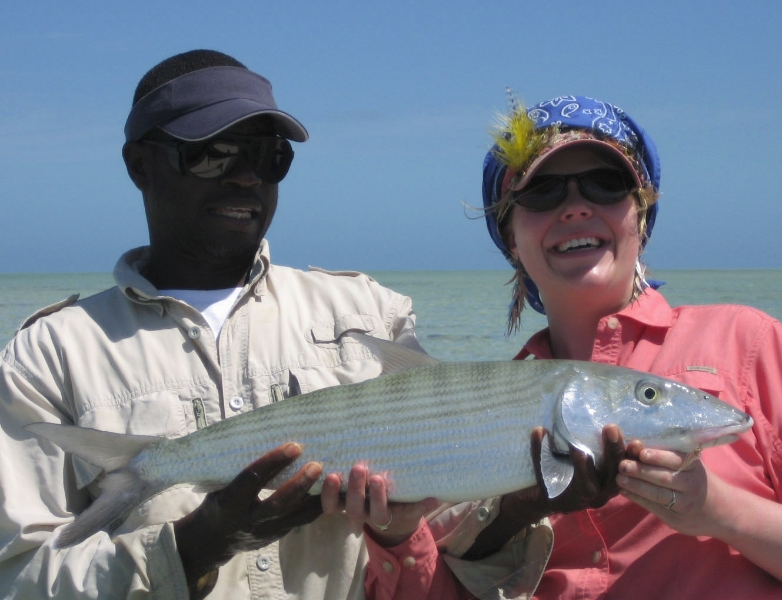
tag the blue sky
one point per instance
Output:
(398, 98)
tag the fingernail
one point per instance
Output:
(313, 469)
(613, 435)
(292, 450)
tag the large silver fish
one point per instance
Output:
(453, 431)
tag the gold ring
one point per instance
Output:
(387, 525)
(669, 506)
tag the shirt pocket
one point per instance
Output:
(326, 334)
(706, 379)
(322, 358)
(164, 413)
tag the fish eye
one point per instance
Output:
(648, 392)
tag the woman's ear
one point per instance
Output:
(135, 162)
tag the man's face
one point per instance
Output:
(217, 223)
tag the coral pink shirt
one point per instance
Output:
(621, 550)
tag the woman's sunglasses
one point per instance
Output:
(599, 186)
(269, 156)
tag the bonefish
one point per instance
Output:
(453, 431)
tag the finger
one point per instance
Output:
(330, 499)
(246, 486)
(289, 495)
(536, 444)
(665, 459)
(355, 501)
(264, 531)
(379, 512)
(648, 495)
(614, 452)
(633, 449)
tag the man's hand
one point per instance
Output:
(589, 488)
(234, 519)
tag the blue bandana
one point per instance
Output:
(575, 112)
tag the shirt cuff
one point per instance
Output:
(413, 569)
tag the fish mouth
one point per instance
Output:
(581, 243)
(723, 435)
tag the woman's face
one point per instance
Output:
(579, 250)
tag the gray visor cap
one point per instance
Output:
(202, 103)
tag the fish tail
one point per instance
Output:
(121, 488)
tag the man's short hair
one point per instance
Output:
(178, 65)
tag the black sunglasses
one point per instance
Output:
(269, 156)
(599, 186)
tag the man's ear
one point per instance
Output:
(135, 159)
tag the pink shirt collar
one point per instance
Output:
(650, 309)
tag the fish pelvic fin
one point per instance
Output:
(557, 469)
(393, 357)
(121, 491)
(104, 449)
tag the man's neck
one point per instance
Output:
(182, 275)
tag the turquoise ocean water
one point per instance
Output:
(461, 314)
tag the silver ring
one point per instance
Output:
(387, 525)
(669, 506)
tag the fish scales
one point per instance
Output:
(400, 424)
(454, 431)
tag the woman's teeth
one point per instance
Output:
(577, 244)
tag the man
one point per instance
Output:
(200, 327)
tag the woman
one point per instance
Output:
(570, 190)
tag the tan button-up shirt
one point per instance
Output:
(129, 360)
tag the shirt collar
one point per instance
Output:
(130, 266)
(650, 310)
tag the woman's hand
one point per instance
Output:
(366, 500)
(680, 492)
(689, 498)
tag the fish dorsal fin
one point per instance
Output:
(556, 468)
(393, 357)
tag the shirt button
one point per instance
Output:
(388, 567)
(408, 562)
(194, 333)
(596, 556)
(263, 563)
(236, 403)
(483, 513)
(613, 323)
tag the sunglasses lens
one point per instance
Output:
(604, 186)
(599, 186)
(269, 156)
(542, 193)
(211, 160)
(274, 159)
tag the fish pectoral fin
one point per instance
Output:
(557, 469)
